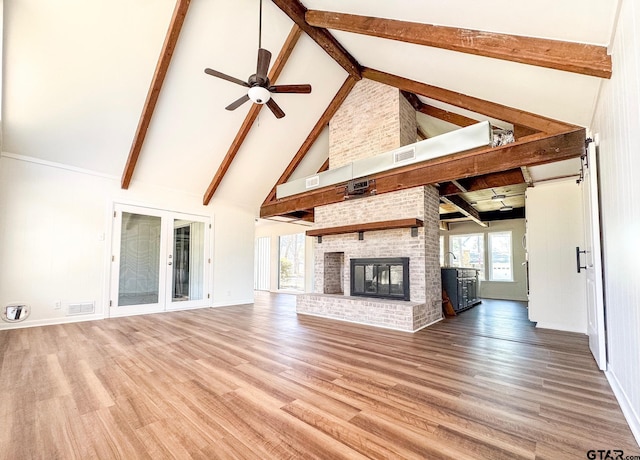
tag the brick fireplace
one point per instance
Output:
(376, 118)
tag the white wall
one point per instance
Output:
(617, 122)
(275, 229)
(55, 238)
(507, 290)
(557, 292)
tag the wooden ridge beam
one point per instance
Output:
(531, 151)
(296, 11)
(473, 184)
(464, 207)
(254, 110)
(320, 125)
(490, 109)
(579, 58)
(170, 41)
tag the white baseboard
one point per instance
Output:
(99, 316)
(558, 327)
(233, 303)
(627, 409)
(51, 321)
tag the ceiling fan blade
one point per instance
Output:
(234, 105)
(275, 108)
(299, 89)
(264, 57)
(215, 73)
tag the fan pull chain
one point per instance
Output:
(260, 27)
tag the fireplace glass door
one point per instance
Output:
(383, 278)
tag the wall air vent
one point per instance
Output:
(311, 182)
(81, 308)
(404, 155)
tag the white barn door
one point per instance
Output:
(592, 259)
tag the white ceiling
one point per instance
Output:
(76, 74)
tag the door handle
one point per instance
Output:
(578, 252)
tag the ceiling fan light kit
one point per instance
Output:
(259, 94)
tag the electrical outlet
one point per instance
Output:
(57, 305)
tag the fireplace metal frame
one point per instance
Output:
(376, 262)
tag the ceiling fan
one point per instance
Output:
(260, 88)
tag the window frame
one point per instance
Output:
(490, 236)
(482, 253)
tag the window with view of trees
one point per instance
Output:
(468, 251)
(500, 260)
(291, 266)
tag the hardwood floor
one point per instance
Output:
(259, 382)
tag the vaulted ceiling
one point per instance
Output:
(103, 86)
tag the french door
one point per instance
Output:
(160, 261)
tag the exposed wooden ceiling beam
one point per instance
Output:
(175, 26)
(445, 115)
(421, 135)
(492, 180)
(460, 187)
(455, 118)
(254, 110)
(554, 54)
(296, 11)
(464, 207)
(535, 150)
(324, 167)
(490, 109)
(320, 125)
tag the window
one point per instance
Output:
(261, 263)
(500, 259)
(441, 250)
(291, 267)
(467, 251)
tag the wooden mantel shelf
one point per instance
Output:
(371, 226)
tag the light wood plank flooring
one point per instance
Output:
(259, 382)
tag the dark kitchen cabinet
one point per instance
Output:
(461, 285)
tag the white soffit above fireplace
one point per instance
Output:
(470, 137)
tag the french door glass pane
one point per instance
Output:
(139, 259)
(188, 260)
